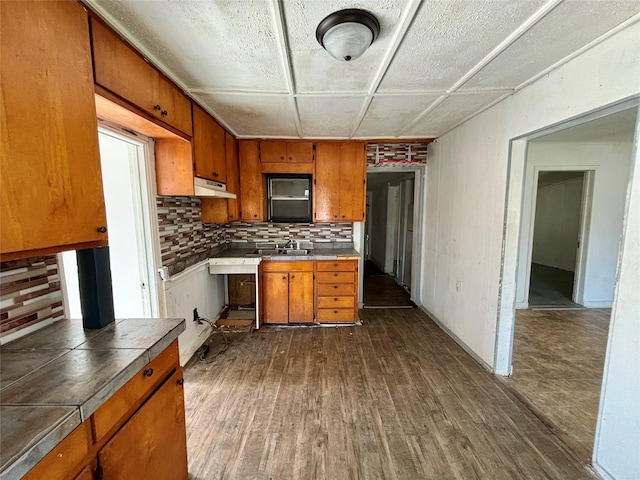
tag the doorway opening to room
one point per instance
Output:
(562, 204)
(125, 159)
(390, 235)
(572, 184)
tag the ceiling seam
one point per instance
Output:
(286, 60)
(407, 17)
(492, 55)
(123, 32)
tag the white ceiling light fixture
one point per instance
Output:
(346, 34)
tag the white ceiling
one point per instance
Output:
(257, 67)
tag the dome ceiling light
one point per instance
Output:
(346, 34)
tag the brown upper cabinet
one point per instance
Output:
(233, 177)
(252, 186)
(280, 151)
(208, 147)
(340, 182)
(51, 184)
(124, 72)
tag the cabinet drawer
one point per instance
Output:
(336, 315)
(275, 266)
(337, 266)
(335, 289)
(336, 302)
(116, 410)
(65, 459)
(336, 277)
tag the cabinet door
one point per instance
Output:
(214, 210)
(233, 177)
(252, 207)
(208, 146)
(300, 152)
(51, 185)
(326, 196)
(273, 152)
(353, 174)
(275, 286)
(301, 297)
(152, 444)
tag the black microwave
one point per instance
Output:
(289, 198)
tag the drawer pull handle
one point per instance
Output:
(335, 274)
(335, 311)
(180, 382)
(102, 229)
(335, 286)
(148, 372)
(157, 107)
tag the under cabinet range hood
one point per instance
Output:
(208, 188)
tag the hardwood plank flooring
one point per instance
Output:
(394, 398)
(381, 290)
(558, 361)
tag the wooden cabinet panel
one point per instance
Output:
(300, 152)
(208, 147)
(174, 167)
(152, 444)
(85, 474)
(252, 205)
(51, 196)
(279, 151)
(337, 266)
(233, 177)
(273, 151)
(336, 302)
(214, 210)
(301, 297)
(276, 297)
(283, 266)
(123, 71)
(340, 176)
(335, 277)
(329, 289)
(338, 315)
(336, 291)
(123, 403)
(65, 460)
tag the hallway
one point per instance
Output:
(382, 291)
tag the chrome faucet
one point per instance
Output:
(289, 244)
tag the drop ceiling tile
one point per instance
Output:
(314, 69)
(229, 45)
(254, 115)
(450, 112)
(567, 28)
(386, 112)
(449, 38)
(329, 116)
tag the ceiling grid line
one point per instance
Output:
(492, 55)
(283, 45)
(407, 17)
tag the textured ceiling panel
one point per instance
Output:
(450, 112)
(229, 45)
(329, 116)
(314, 69)
(568, 27)
(250, 115)
(392, 110)
(449, 38)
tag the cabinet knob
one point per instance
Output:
(335, 216)
(281, 158)
(335, 274)
(215, 174)
(148, 372)
(335, 286)
(335, 311)
(164, 113)
(157, 107)
(102, 229)
(342, 216)
(293, 276)
(284, 278)
(180, 381)
(255, 215)
(290, 158)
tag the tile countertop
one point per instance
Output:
(54, 379)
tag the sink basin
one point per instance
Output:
(282, 251)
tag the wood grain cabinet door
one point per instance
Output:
(252, 206)
(300, 152)
(326, 194)
(51, 184)
(233, 177)
(152, 444)
(208, 147)
(273, 151)
(301, 297)
(275, 287)
(353, 174)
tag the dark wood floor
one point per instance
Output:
(381, 290)
(558, 360)
(551, 287)
(394, 398)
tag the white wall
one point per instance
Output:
(467, 182)
(610, 164)
(617, 449)
(557, 224)
(193, 288)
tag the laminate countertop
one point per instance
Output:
(54, 379)
(320, 253)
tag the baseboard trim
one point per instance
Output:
(457, 339)
(598, 304)
(522, 305)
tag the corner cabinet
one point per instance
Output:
(50, 179)
(340, 182)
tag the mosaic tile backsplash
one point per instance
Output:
(30, 293)
(241, 232)
(394, 154)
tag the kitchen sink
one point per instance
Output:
(282, 251)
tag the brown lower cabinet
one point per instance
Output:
(336, 287)
(138, 433)
(287, 292)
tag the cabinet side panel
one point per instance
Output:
(233, 177)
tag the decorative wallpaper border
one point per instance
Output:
(30, 293)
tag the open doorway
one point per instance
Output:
(574, 196)
(389, 228)
(124, 158)
(555, 259)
